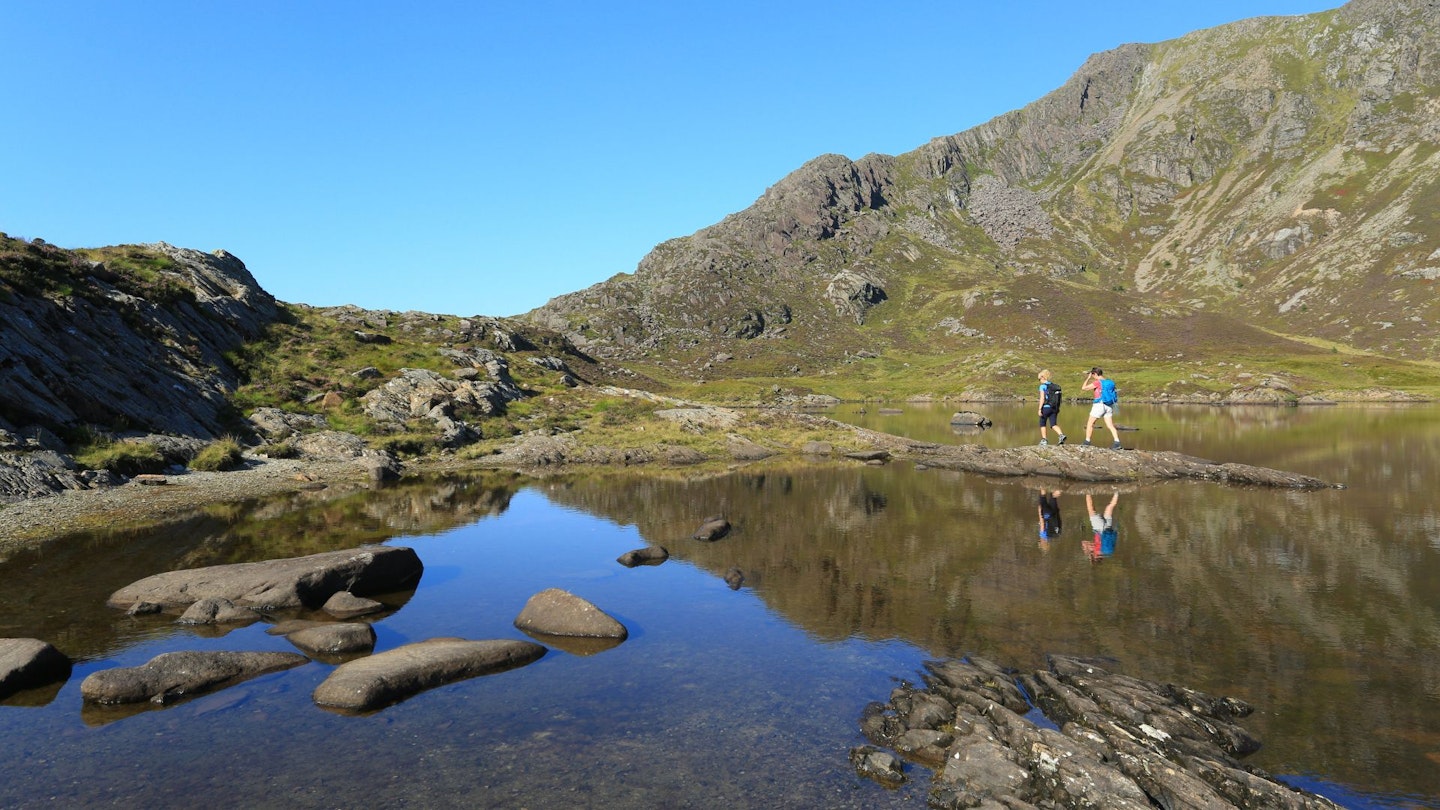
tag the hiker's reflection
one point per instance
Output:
(1102, 545)
(1049, 514)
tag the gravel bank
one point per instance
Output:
(33, 521)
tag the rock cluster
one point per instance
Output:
(1106, 740)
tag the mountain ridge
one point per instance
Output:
(1281, 171)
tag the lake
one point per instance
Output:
(1320, 608)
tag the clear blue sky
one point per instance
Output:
(479, 158)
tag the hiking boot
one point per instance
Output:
(1043, 442)
(1116, 446)
(1086, 443)
(1062, 439)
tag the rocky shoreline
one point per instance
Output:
(1075, 735)
(158, 498)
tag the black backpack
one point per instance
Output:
(1052, 396)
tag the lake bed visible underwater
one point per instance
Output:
(1322, 609)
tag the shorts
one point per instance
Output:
(1048, 417)
(1099, 409)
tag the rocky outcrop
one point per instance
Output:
(296, 582)
(170, 677)
(92, 344)
(1110, 741)
(277, 425)
(554, 612)
(391, 676)
(447, 403)
(26, 663)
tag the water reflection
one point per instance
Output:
(1102, 523)
(1051, 523)
(1321, 608)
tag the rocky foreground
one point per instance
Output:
(1100, 739)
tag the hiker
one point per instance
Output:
(1103, 524)
(1104, 405)
(1049, 409)
(1049, 512)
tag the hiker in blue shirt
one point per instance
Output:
(1049, 409)
(1104, 405)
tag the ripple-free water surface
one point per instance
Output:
(1320, 608)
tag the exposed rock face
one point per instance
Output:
(111, 352)
(554, 612)
(424, 394)
(26, 663)
(1121, 742)
(169, 677)
(1275, 171)
(274, 584)
(391, 676)
(278, 425)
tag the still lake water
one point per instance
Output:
(1320, 608)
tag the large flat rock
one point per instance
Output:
(393, 675)
(1101, 464)
(26, 663)
(276, 584)
(169, 677)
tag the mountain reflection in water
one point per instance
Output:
(1320, 608)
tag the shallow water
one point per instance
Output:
(1318, 607)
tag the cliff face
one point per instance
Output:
(1275, 176)
(131, 338)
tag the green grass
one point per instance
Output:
(225, 454)
(127, 458)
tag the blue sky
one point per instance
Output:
(479, 158)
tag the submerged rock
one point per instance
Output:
(734, 578)
(712, 529)
(393, 675)
(169, 677)
(650, 555)
(1117, 742)
(288, 583)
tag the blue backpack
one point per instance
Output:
(1107, 392)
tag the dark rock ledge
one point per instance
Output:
(1117, 742)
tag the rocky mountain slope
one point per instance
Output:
(130, 359)
(1269, 187)
(123, 336)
